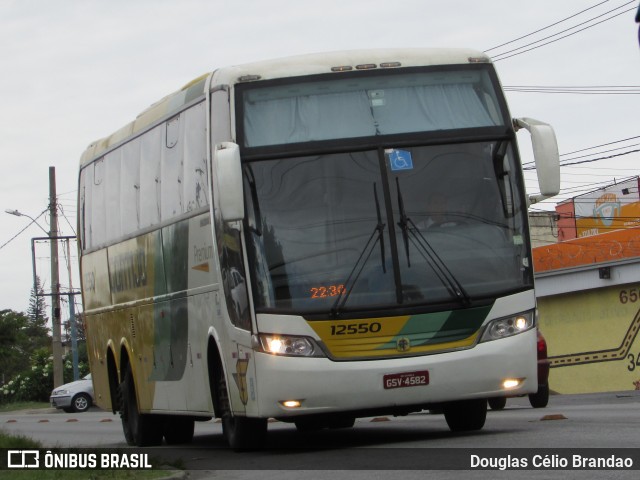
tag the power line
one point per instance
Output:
(576, 90)
(602, 145)
(545, 28)
(526, 164)
(590, 160)
(514, 52)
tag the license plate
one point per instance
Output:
(407, 379)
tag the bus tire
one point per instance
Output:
(241, 433)
(141, 430)
(466, 415)
(178, 430)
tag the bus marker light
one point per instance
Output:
(342, 68)
(291, 403)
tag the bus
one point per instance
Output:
(312, 239)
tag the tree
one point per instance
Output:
(14, 358)
(36, 328)
(37, 311)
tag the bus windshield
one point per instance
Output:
(386, 227)
(369, 105)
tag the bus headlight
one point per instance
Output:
(508, 326)
(288, 345)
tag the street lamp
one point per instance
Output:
(33, 220)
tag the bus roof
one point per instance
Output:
(295, 66)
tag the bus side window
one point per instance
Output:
(97, 227)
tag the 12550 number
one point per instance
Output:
(356, 328)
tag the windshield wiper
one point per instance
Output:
(377, 236)
(411, 232)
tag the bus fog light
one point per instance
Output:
(508, 326)
(291, 403)
(511, 383)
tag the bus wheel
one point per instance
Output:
(141, 430)
(241, 433)
(466, 415)
(178, 429)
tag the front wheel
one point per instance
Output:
(241, 433)
(142, 430)
(81, 402)
(466, 415)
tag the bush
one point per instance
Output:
(35, 384)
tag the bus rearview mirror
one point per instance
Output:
(229, 169)
(545, 153)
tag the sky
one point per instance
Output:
(73, 71)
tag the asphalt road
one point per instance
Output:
(402, 447)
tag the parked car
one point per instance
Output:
(73, 397)
(540, 399)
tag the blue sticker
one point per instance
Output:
(400, 160)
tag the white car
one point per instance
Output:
(73, 397)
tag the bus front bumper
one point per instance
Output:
(323, 386)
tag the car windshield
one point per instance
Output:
(367, 230)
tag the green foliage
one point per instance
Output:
(36, 383)
(14, 355)
(17, 441)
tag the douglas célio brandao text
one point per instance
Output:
(550, 461)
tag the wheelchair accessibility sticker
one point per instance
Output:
(400, 160)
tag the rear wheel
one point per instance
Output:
(540, 399)
(497, 403)
(140, 429)
(466, 415)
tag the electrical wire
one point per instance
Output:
(545, 28)
(519, 50)
(576, 90)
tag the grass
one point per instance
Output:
(21, 442)
(12, 407)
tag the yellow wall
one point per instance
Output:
(593, 340)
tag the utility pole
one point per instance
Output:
(58, 377)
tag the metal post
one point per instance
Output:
(58, 374)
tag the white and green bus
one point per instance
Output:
(312, 239)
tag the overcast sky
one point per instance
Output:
(75, 71)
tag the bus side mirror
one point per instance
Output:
(229, 173)
(545, 154)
